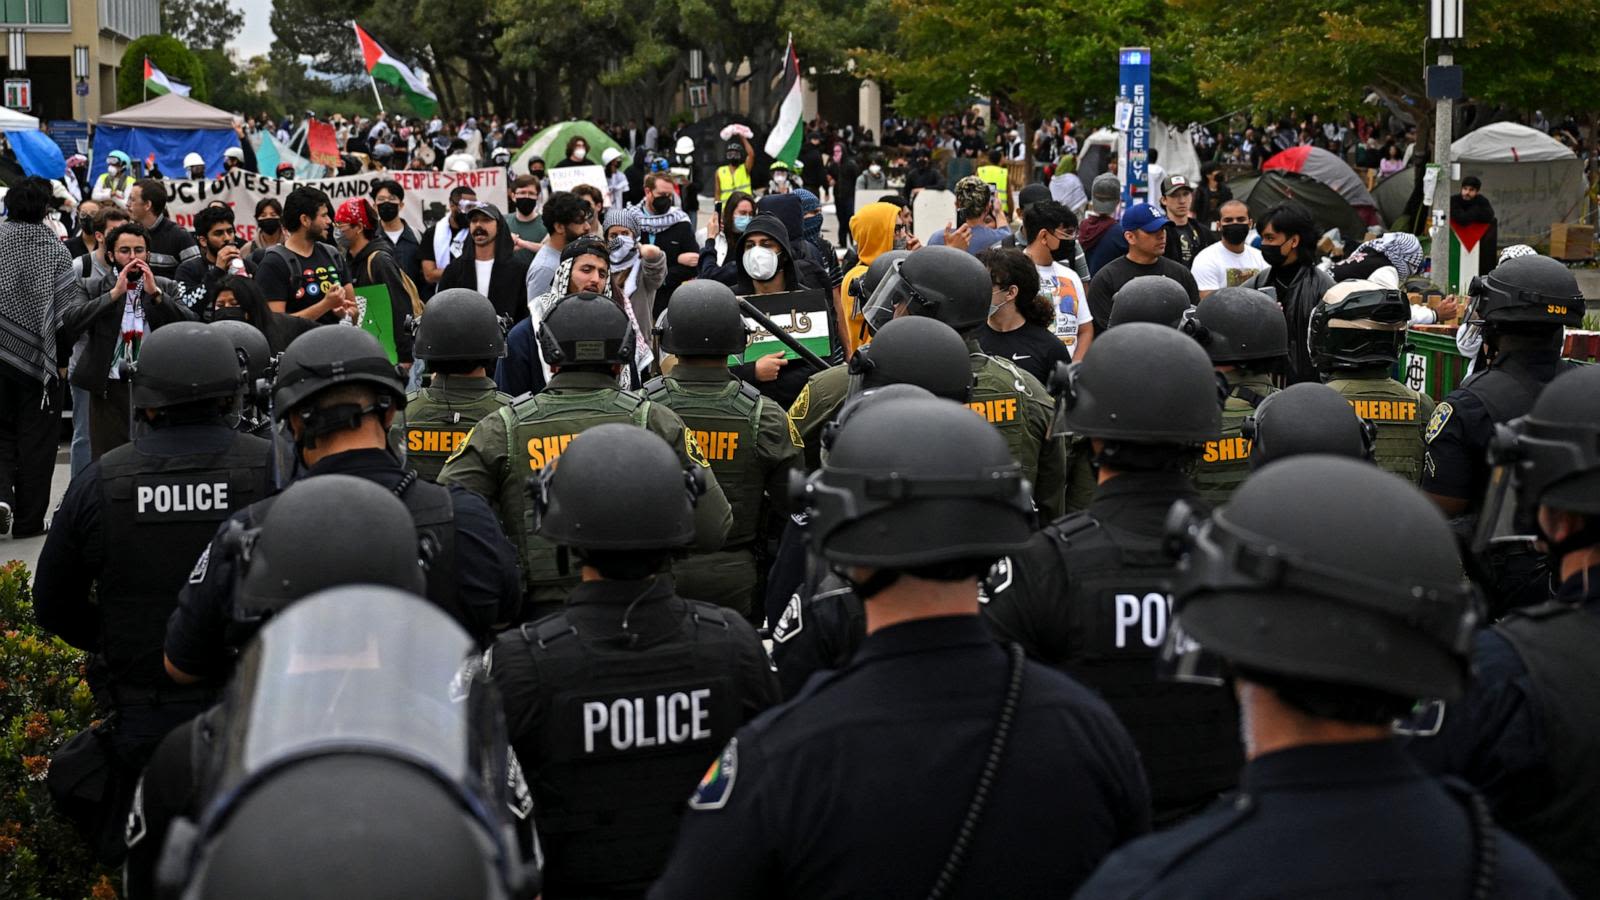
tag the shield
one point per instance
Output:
(551, 145)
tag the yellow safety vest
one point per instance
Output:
(997, 176)
(730, 179)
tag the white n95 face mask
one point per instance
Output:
(761, 263)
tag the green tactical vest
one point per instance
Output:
(1225, 462)
(1000, 395)
(436, 427)
(726, 422)
(1400, 413)
(537, 430)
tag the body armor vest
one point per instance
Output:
(437, 425)
(1225, 462)
(1401, 416)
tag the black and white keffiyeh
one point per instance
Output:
(36, 285)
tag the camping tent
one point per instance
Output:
(11, 120)
(1174, 148)
(1532, 179)
(1393, 192)
(1315, 162)
(1328, 209)
(169, 127)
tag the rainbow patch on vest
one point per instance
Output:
(717, 785)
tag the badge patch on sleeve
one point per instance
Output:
(794, 433)
(717, 785)
(692, 447)
(801, 404)
(198, 573)
(790, 623)
(1441, 415)
(461, 447)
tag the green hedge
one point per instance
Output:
(44, 700)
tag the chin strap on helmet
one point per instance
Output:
(318, 421)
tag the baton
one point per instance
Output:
(811, 359)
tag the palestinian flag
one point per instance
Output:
(788, 134)
(385, 67)
(1466, 253)
(157, 82)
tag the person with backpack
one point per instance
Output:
(372, 262)
(303, 275)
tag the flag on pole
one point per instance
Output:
(1466, 253)
(157, 82)
(787, 135)
(383, 66)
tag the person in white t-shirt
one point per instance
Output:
(1231, 261)
(1051, 232)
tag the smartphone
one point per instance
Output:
(961, 218)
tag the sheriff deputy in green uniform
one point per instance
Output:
(747, 438)
(1244, 333)
(1356, 335)
(586, 339)
(952, 286)
(460, 338)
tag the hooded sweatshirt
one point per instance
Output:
(507, 290)
(788, 209)
(873, 230)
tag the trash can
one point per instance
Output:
(1431, 363)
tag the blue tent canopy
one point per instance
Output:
(169, 127)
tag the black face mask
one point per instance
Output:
(1273, 254)
(661, 204)
(526, 205)
(1063, 251)
(388, 212)
(1236, 233)
(269, 226)
(226, 314)
(537, 173)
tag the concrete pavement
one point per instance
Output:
(28, 549)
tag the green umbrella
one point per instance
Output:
(551, 145)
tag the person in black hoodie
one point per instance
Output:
(493, 268)
(768, 264)
(1471, 207)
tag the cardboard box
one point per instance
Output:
(1571, 242)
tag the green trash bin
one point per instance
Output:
(1431, 363)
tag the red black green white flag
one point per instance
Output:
(787, 135)
(386, 67)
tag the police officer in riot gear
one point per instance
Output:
(952, 286)
(1357, 332)
(928, 792)
(1327, 628)
(339, 394)
(914, 350)
(127, 534)
(1243, 332)
(587, 340)
(1151, 298)
(1527, 733)
(617, 703)
(361, 753)
(1089, 593)
(1306, 418)
(747, 438)
(255, 357)
(459, 339)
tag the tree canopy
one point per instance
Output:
(168, 55)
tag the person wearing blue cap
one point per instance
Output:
(1144, 231)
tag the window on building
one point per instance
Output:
(34, 12)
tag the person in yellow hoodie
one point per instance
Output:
(873, 227)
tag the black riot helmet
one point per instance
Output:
(703, 319)
(1307, 418)
(1141, 383)
(586, 329)
(1262, 585)
(333, 355)
(617, 487)
(289, 556)
(460, 325)
(938, 282)
(1240, 325)
(1528, 290)
(855, 403)
(867, 282)
(911, 484)
(915, 350)
(1150, 298)
(182, 363)
(1358, 325)
(255, 354)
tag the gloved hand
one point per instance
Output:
(737, 129)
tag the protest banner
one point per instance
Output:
(377, 316)
(803, 314)
(568, 177)
(427, 193)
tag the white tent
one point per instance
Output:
(1532, 179)
(11, 120)
(1176, 153)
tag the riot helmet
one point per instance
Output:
(1150, 298)
(938, 282)
(1140, 383)
(254, 353)
(703, 319)
(1303, 419)
(586, 329)
(1240, 325)
(617, 487)
(855, 403)
(915, 350)
(325, 357)
(184, 362)
(915, 483)
(1290, 583)
(460, 325)
(1358, 325)
(1527, 290)
(862, 288)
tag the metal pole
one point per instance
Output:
(375, 94)
(1443, 131)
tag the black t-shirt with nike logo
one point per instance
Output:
(1031, 348)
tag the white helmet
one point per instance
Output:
(192, 160)
(685, 146)
(609, 154)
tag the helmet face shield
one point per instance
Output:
(892, 293)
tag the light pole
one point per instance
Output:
(1444, 86)
(80, 72)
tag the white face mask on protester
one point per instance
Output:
(874, 168)
(761, 263)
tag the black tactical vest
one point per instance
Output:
(1119, 604)
(627, 733)
(1557, 643)
(161, 513)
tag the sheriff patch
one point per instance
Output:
(802, 403)
(717, 785)
(1441, 415)
(790, 623)
(460, 448)
(692, 448)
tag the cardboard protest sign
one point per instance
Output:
(568, 177)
